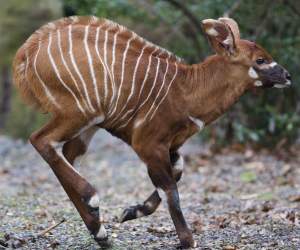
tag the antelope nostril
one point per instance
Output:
(288, 76)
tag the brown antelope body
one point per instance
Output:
(91, 73)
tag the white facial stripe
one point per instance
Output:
(139, 122)
(77, 70)
(103, 65)
(252, 73)
(67, 67)
(59, 76)
(143, 85)
(122, 77)
(273, 64)
(47, 91)
(200, 124)
(91, 65)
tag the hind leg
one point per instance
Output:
(81, 192)
(150, 205)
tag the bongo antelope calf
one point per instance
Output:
(91, 73)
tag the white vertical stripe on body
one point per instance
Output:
(47, 91)
(132, 85)
(77, 70)
(105, 69)
(174, 77)
(160, 89)
(67, 67)
(122, 76)
(142, 87)
(113, 68)
(59, 76)
(105, 58)
(27, 63)
(150, 93)
(91, 65)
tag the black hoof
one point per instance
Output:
(104, 243)
(129, 214)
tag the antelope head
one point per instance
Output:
(254, 64)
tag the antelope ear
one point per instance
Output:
(220, 36)
(233, 26)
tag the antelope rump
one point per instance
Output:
(91, 73)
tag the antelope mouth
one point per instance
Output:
(283, 85)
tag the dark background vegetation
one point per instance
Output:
(267, 118)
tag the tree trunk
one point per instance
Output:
(6, 95)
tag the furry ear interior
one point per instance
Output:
(233, 26)
(220, 36)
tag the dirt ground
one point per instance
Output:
(231, 200)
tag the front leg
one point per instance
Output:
(161, 174)
(150, 205)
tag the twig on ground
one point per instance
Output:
(50, 228)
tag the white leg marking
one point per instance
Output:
(91, 65)
(59, 76)
(47, 91)
(139, 122)
(94, 201)
(142, 88)
(200, 124)
(132, 91)
(77, 70)
(178, 166)
(149, 205)
(122, 76)
(102, 234)
(252, 73)
(174, 77)
(67, 67)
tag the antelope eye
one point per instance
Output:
(260, 61)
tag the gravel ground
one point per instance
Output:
(231, 200)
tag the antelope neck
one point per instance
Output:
(213, 87)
